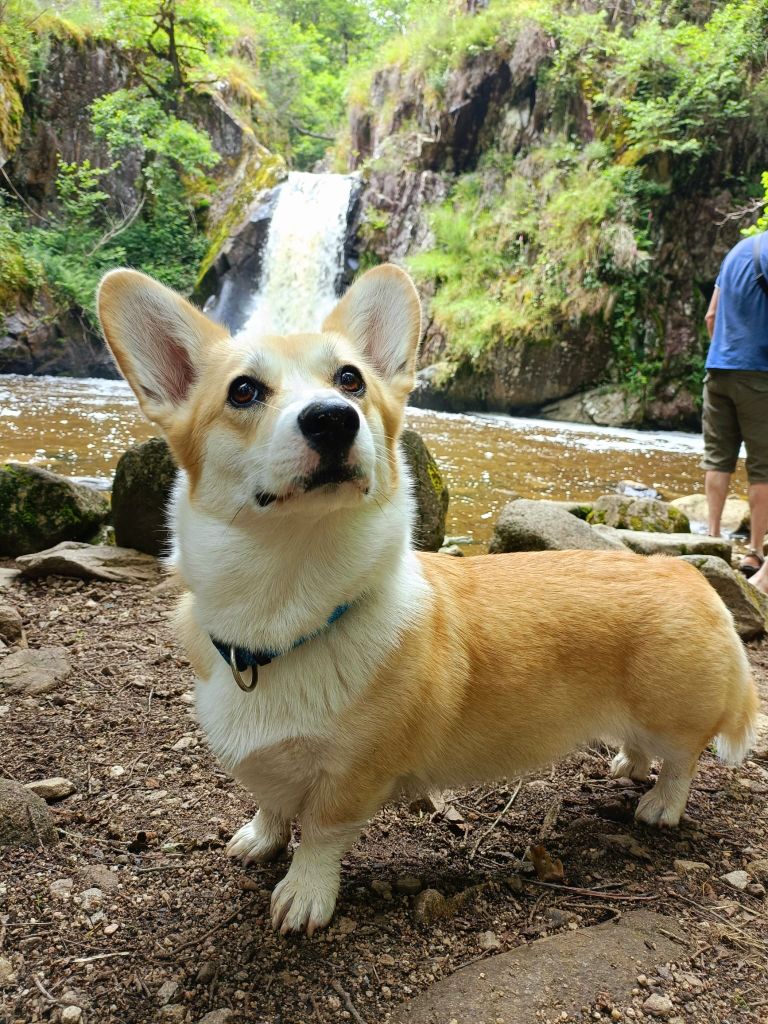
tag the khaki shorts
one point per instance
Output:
(736, 410)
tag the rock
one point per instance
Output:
(11, 625)
(431, 906)
(7, 973)
(452, 549)
(39, 509)
(62, 888)
(91, 561)
(143, 482)
(675, 544)
(526, 525)
(580, 509)
(550, 977)
(206, 972)
(167, 991)
(52, 789)
(606, 407)
(90, 899)
(638, 514)
(759, 869)
(760, 747)
(24, 818)
(488, 941)
(34, 672)
(736, 879)
(746, 603)
(217, 1017)
(658, 1005)
(408, 885)
(174, 1012)
(429, 490)
(8, 576)
(687, 868)
(71, 1014)
(636, 489)
(382, 888)
(735, 517)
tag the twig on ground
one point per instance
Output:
(336, 986)
(44, 990)
(485, 834)
(591, 892)
(90, 959)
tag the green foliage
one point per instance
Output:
(762, 220)
(20, 273)
(523, 252)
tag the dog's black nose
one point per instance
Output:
(330, 426)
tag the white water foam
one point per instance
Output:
(304, 254)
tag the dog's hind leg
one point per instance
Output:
(630, 763)
(260, 840)
(664, 804)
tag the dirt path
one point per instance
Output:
(169, 929)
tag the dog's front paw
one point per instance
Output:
(306, 897)
(260, 840)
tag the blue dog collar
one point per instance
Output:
(241, 658)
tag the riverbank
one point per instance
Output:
(136, 914)
(81, 427)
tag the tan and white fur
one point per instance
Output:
(443, 672)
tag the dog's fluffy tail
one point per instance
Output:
(739, 729)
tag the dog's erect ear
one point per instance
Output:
(381, 315)
(157, 338)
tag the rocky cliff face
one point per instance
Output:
(52, 120)
(413, 142)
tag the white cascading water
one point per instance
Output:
(304, 254)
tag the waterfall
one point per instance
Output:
(304, 254)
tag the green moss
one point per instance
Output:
(13, 82)
(270, 172)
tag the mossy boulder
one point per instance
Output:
(626, 513)
(526, 525)
(143, 483)
(39, 509)
(747, 605)
(429, 490)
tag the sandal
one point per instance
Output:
(748, 571)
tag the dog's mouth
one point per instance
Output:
(323, 476)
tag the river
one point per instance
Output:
(81, 427)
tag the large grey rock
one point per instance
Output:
(675, 544)
(526, 525)
(604, 406)
(24, 817)
(143, 483)
(746, 603)
(32, 672)
(552, 976)
(11, 625)
(430, 492)
(735, 517)
(91, 561)
(39, 509)
(626, 513)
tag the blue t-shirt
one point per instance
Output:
(740, 338)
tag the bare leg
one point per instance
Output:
(760, 579)
(758, 511)
(664, 804)
(716, 484)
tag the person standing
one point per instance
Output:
(736, 388)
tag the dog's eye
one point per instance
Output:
(245, 391)
(350, 380)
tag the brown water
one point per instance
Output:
(81, 427)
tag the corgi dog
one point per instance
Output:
(335, 666)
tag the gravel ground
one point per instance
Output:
(136, 915)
